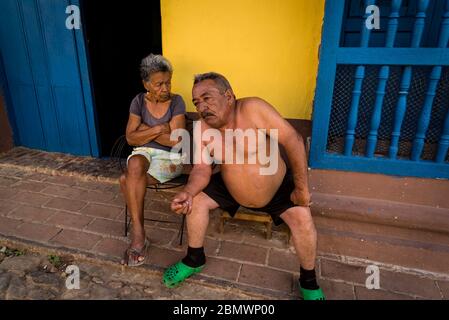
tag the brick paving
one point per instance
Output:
(71, 204)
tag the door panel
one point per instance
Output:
(27, 115)
(42, 66)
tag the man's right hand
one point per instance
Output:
(182, 203)
(301, 197)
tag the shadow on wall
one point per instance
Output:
(6, 141)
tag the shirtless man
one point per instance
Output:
(284, 194)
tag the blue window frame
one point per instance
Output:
(382, 97)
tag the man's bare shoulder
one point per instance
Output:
(253, 105)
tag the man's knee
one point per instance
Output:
(203, 201)
(298, 217)
(137, 166)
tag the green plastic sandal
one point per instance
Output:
(177, 273)
(312, 294)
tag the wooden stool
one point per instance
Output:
(252, 216)
(248, 216)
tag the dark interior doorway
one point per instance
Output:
(118, 36)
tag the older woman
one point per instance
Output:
(153, 115)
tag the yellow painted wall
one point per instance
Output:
(266, 48)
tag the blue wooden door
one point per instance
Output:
(382, 98)
(47, 80)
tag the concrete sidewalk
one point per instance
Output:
(74, 205)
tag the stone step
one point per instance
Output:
(407, 190)
(382, 212)
(406, 235)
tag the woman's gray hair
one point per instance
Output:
(152, 64)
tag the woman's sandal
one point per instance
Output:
(312, 294)
(135, 262)
(177, 273)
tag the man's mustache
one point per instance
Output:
(206, 114)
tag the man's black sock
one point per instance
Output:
(307, 279)
(195, 257)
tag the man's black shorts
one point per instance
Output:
(281, 202)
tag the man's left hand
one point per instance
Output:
(301, 197)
